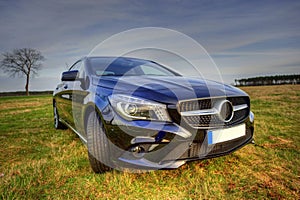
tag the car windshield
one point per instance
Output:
(127, 67)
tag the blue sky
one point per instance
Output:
(245, 38)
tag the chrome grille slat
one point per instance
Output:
(240, 107)
(211, 111)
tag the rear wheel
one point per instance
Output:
(57, 123)
(98, 144)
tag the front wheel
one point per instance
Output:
(98, 144)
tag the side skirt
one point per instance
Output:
(79, 135)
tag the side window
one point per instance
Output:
(76, 66)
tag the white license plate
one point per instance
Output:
(226, 134)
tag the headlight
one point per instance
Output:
(132, 108)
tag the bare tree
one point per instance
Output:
(25, 61)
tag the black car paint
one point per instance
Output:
(74, 99)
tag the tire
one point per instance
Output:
(98, 144)
(57, 123)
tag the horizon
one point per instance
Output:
(233, 84)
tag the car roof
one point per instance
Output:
(118, 58)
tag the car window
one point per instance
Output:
(80, 67)
(76, 66)
(127, 67)
(151, 69)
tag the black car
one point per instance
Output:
(137, 114)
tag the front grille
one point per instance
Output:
(195, 105)
(207, 113)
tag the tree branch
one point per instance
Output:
(22, 62)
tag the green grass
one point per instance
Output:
(39, 162)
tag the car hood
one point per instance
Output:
(165, 89)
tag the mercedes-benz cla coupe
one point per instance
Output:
(137, 114)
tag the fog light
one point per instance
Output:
(137, 151)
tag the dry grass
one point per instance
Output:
(39, 162)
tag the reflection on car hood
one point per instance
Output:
(165, 89)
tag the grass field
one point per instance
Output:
(39, 162)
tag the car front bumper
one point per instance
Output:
(158, 145)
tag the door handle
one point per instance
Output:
(66, 86)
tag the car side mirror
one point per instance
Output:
(69, 75)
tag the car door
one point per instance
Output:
(79, 93)
(65, 97)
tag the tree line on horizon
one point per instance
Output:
(268, 80)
